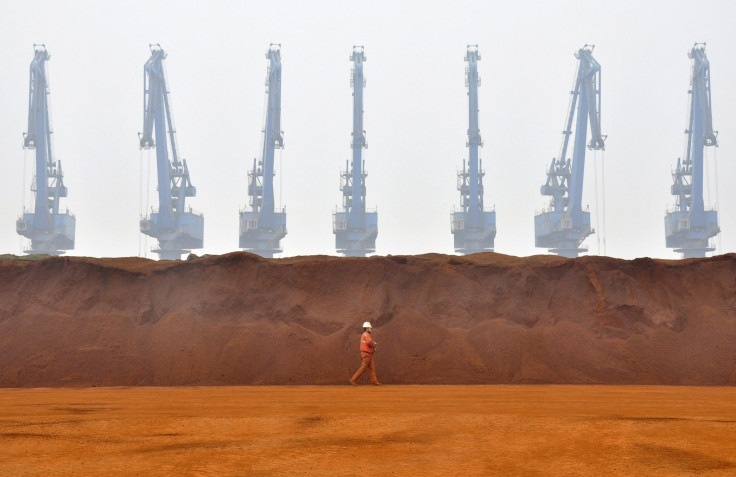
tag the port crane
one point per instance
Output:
(473, 227)
(690, 226)
(261, 226)
(355, 228)
(177, 227)
(51, 230)
(563, 227)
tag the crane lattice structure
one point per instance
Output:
(473, 227)
(177, 228)
(563, 227)
(51, 231)
(261, 226)
(354, 227)
(689, 228)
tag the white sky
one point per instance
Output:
(415, 112)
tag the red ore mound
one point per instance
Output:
(487, 318)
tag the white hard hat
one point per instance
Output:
(367, 324)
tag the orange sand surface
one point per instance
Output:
(389, 430)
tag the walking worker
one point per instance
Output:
(367, 348)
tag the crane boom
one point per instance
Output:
(689, 228)
(50, 230)
(262, 227)
(354, 227)
(473, 227)
(176, 227)
(565, 225)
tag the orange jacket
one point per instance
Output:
(367, 345)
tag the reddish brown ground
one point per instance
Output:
(483, 319)
(392, 430)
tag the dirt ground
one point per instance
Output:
(366, 430)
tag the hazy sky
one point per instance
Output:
(415, 113)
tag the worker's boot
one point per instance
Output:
(352, 382)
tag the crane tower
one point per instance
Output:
(563, 227)
(474, 227)
(690, 226)
(176, 227)
(51, 231)
(354, 227)
(261, 226)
